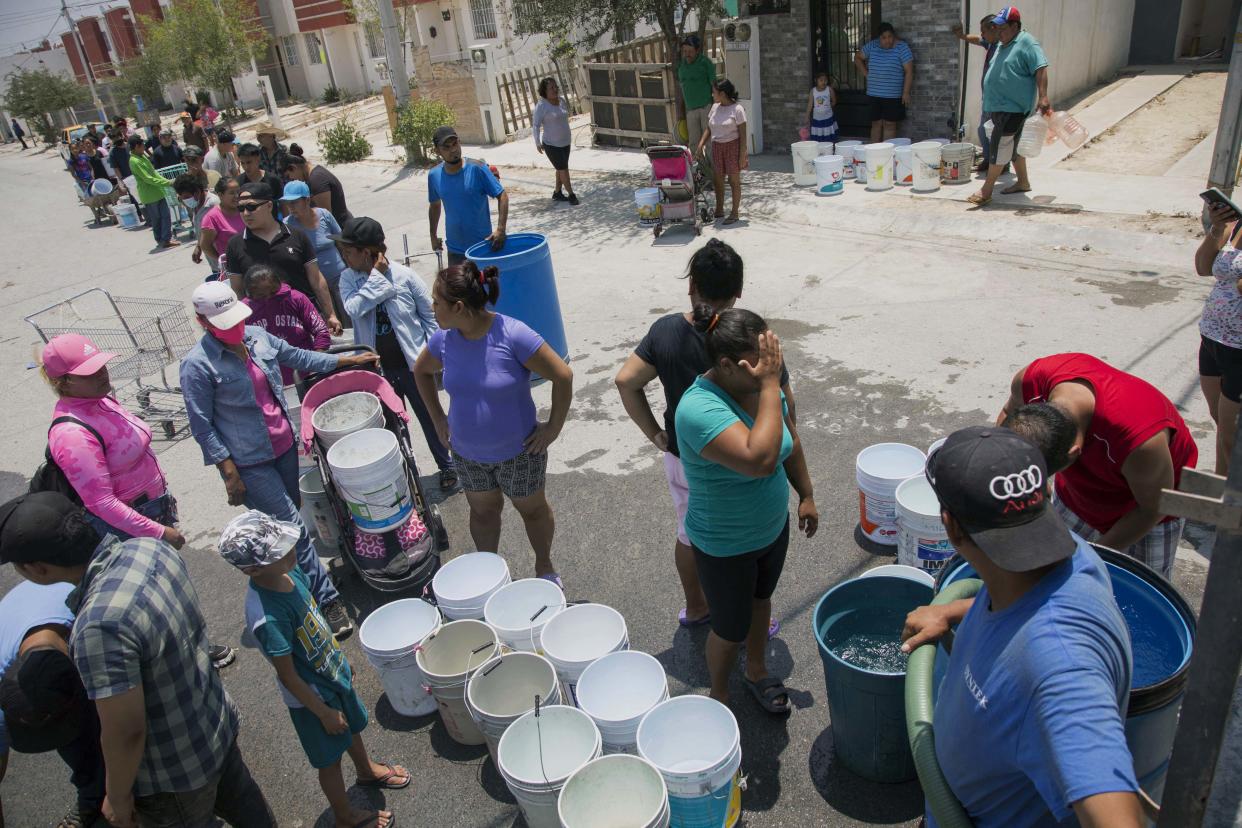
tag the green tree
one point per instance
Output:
(141, 76)
(417, 122)
(204, 42)
(33, 94)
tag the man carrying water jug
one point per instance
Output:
(1030, 713)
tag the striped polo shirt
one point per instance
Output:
(886, 75)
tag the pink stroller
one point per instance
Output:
(681, 183)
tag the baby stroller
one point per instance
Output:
(402, 559)
(681, 183)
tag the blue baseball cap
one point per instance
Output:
(1009, 14)
(295, 190)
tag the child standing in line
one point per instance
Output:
(311, 671)
(285, 313)
(819, 109)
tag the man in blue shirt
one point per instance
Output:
(463, 189)
(1030, 713)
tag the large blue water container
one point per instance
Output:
(867, 708)
(1162, 633)
(527, 285)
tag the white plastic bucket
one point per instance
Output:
(519, 611)
(617, 691)
(464, 584)
(957, 163)
(926, 177)
(922, 541)
(317, 509)
(447, 658)
(936, 445)
(343, 415)
(879, 469)
(879, 166)
(578, 636)
(1034, 135)
(940, 141)
(899, 142)
(903, 165)
(695, 743)
(860, 163)
(829, 175)
(804, 155)
(901, 571)
(506, 688)
(390, 637)
(539, 752)
(126, 214)
(101, 186)
(845, 149)
(647, 201)
(369, 472)
(614, 792)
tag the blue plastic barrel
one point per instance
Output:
(527, 285)
(867, 706)
(1162, 632)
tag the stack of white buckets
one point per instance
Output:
(897, 506)
(581, 728)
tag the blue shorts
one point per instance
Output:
(325, 749)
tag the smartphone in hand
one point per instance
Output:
(1214, 196)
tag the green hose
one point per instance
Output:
(944, 806)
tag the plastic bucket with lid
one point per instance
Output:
(845, 149)
(901, 571)
(926, 178)
(647, 200)
(879, 166)
(578, 636)
(860, 163)
(922, 541)
(1162, 636)
(804, 155)
(903, 164)
(369, 472)
(695, 743)
(390, 636)
(507, 687)
(538, 752)
(957, 163)
(317, 509)
(829, 175)
(879, 469)
(343, 415)
(519, 611)
(614, 792)
(447, 658)
(463, 585)
(616, 691)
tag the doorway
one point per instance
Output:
(839, 28)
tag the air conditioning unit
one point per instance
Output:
(741, 60)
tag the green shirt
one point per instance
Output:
(1009, 85)
(729, 513)
(696, 80)
(151, 185)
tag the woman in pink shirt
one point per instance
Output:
(223, 221)
(727, 124)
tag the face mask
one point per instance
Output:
(230, 336)
(190, 203)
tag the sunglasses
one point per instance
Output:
(251, 207)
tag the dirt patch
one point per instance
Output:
(1155, 137)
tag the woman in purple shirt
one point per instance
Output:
(499, 445)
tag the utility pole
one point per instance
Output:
(395, 52)
(1225, 155)
(86, 62)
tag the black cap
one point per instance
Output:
(136, 139)
(224, 136)
(257, 191)
(360, 231)
(192, 151)
(33, 528)
(443, 134)
(995, 483)
(43, 701)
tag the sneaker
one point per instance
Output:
(573, 199)
(557, 195)
(338, 619)
(221, 656)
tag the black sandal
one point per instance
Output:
(766, 691)
(448, 478)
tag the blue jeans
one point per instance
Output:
(162, 509)
(272, 488)
(403, 383)
(160, 218)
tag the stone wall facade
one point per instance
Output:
(451, 83)
(785, 73)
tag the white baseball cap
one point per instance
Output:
(217, 302)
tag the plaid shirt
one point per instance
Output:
(138, 625)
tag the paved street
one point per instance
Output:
(902, 319)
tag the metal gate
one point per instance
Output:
(840, 28)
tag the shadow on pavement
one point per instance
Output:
(858, 798)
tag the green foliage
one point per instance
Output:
(417, 121)
(142, 76)
(33, 94)
(583, 22)
(205, 42)
(331, 95)
(343, 143)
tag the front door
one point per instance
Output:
(839, 28)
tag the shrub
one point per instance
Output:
(331, 95)
(343, 143)
(417, 121)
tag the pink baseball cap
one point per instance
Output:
(73, 354)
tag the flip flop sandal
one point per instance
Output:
(1014, 188)
(448, 478)
(766, 691)
(698, 622)
(554, 578)
(386, 782)
(978, 200)
(730, 220)
(774, 627)
(374, 820)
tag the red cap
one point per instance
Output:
(73, 354)
(1009, 14)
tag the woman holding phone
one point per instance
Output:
(1220, 326)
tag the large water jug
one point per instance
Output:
(1034, 135)
(1067, 128)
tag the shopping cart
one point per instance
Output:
(179, 215)
(149, 336)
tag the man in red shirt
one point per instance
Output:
(1113, 441)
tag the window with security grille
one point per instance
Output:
(314, 55)
(527, 13)
(375, 39)
(483, 18)
(289, 45)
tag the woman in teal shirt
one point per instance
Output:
(740, 452)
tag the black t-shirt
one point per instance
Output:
(288, 254)
(275, 183)
(386, 345)
(165, 156)
(676, 350)
(97, 166)
(119, 156)
(321, 180)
